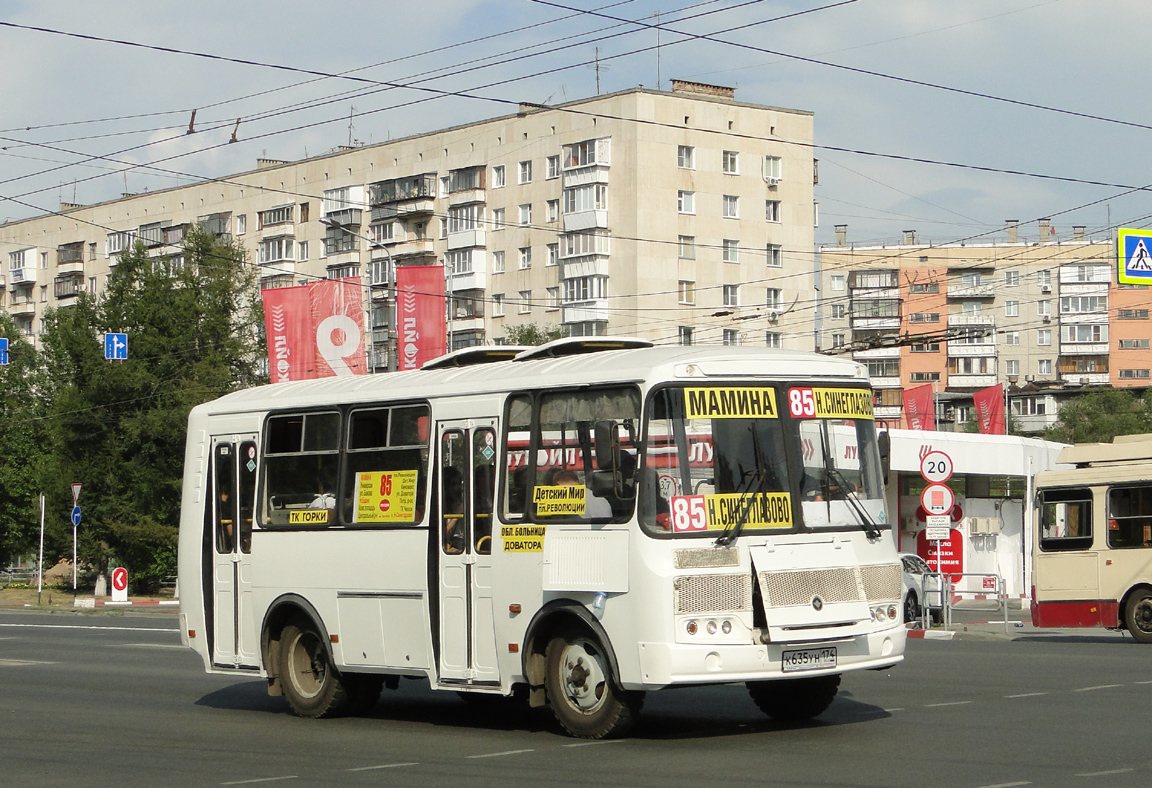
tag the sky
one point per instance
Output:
(1008, 107)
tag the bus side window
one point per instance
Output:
(1066, 519)
(483, 488)
(225, 500)
(518, 421)
(383, 441)
(301, 463)
(1130, 517)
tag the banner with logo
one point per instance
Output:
(315, 330)
(421, 326)
(919, 408)
(990, 410)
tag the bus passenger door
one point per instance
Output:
(467, 473)
(233, 503)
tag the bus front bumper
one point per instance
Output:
(666, 664)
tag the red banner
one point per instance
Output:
(990, 410)
(421, 328)
(315, 331)
(919, 410)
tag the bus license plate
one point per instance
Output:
(809, 659)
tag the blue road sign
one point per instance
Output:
(75, 515)
(1134, 256)
(3, 351)
(115, 346)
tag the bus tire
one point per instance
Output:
(311, 685)
(363, 692)
(794, 700)
(582, 690)
(1138, 615)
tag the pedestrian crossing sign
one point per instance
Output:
(1134, 257)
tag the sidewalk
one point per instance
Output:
(977, 620)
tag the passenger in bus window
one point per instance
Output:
(324, 499)
(594, 508)
(452, 515)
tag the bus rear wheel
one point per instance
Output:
(793, 700)
(310, 683)
(1138, 615)
(582, 690)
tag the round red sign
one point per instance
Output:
(120, 578)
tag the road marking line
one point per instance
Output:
(499, 754)
(898, 709)
(1104, 774)
(955, 703)
(610, 741)
(382, 766)
(1142, 682)
(76, 626)
(19, 663)
(1102, 686)
(1027, 695)
(262, 780)
(1006, 785)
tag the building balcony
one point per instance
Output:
(1086, 378)
(417, 247)
(585, 220)
(591, 173)
(965, 350)
(586, 311)
(1083, 288)
(876, 353)
(588, 265)
(68, 286)
(462, 324)
(972, 291)
(23, 308)
(3, 281)
(467, 196)
(864, 292)
(274, 267)
(70, 268)
(971, 381)
(1084, 349)
(875, 323)
(465, 239)
(417, 207)
(885, 382)
(285, 230)
(889, 412)
(471, 280)
(22, 276)
(971, 320)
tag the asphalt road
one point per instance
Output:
(115, 701)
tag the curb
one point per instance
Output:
(930, 634)
(91, 603)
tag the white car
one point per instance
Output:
(915, 568)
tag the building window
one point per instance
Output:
(884, 368)
(275, 250)
(462, 218)
(1134, 374)
(1044, 366)
(1044, 336)
(1133, 344)
(525, 257)
(1044, 308)
(687, 247)
(458, 261)
(772, 210)
(498, 222)
(499, 177)
(836, 282)
(686, 202)
(241, 224)
(971, 307)
(731, 206)
(553, 211)
(1011, 337)
(589, 197)
(525, 306)
(553, 163)
(1044, 277)
(1132, 314)
(1091, 333)
(445, 186)
(839, 311)
(981, 365)
(525, 172)
(731, 295)
(282, 214)
(775, 257)
(1012, 309)
(585, 288)
(498, 305)
(924, 377)
(924, 317)
(585, 242)
(1011, 278)
(525, 215)
(498, 262)
(772, 298)
(554, 292)
(773, 169)
(927, 347)
(731, 336)
(1012, 367)
(553, 254)
(1083, 304)
(587, 153)
(925, 287)
(731, 162)
(685, 335)
(731, 250)
(687, 292)
(774, 339)
(685, 157)
(837, 340)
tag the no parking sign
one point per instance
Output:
(119, 584)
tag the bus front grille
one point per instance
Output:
(713, 593)
(706, 558)
(799, 587)
(883, 582)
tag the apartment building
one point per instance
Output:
(1042, 314)
(682, 216)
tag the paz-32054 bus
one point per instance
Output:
(578, 523)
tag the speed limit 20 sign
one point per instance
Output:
(936, 467)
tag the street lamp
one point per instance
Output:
(390, 283)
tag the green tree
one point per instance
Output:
(533, 333)
(21, 446)
(1099, 416)
(193, 324)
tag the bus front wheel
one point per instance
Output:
(581, 688)
(792, 700)
(1138, 615)
(311, 685)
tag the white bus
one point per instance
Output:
(1092, 554)
(586, 521)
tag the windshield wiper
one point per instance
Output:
(746, 501)
(833, 474)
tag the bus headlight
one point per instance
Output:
(692, 627)
(711, 627)
(726, 627)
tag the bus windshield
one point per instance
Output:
(717, 461)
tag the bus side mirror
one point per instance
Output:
(607, 445)
(884, 443)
